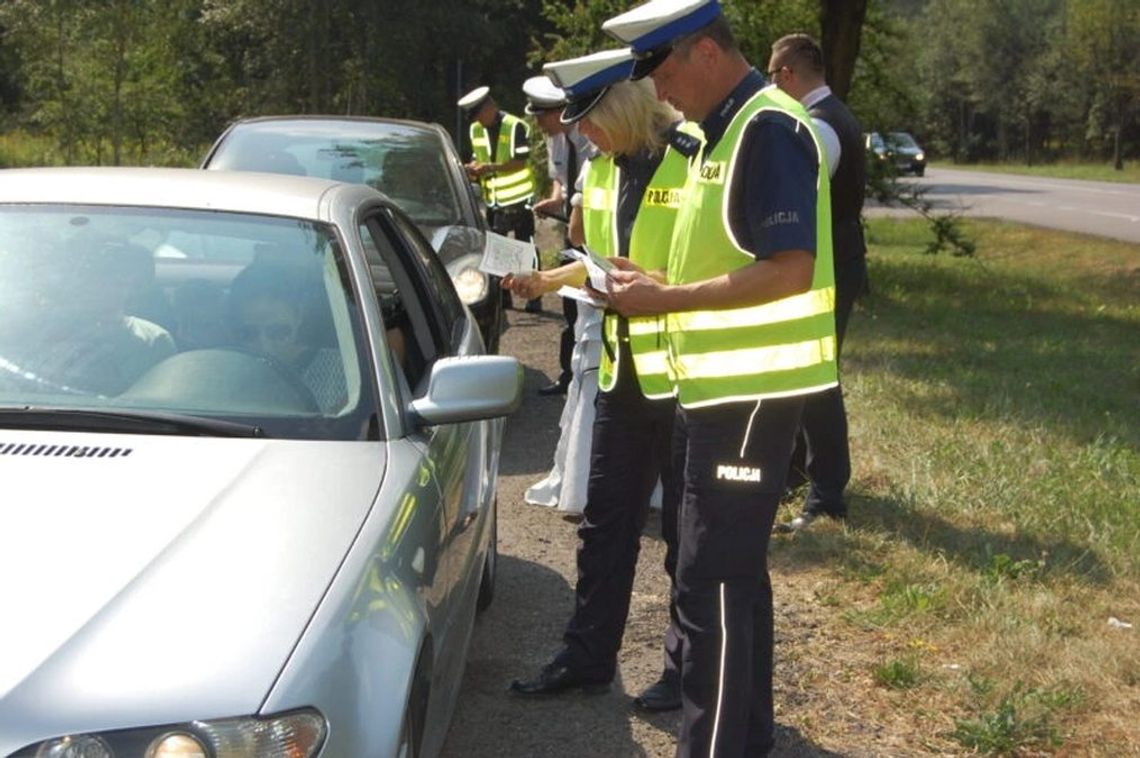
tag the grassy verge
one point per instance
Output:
(995, 503)
(1100, 172)
(20, 149)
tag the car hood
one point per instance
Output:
(158, 579)
(455, 241)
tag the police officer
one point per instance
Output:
(566, 152)
(750, 331)
(500, 146)
(822, 456)
(629, 200)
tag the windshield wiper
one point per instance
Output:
(125, 421)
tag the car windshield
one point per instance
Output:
(223, 316)
(407, 163)
(901, 139)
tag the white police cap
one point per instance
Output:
(586, 79)
(542, 95)
(472, 100)
(651, 28)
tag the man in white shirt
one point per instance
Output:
(822, 457)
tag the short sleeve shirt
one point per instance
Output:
(773, 195)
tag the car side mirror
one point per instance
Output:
(470, 389)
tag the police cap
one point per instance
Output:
(586, 79)
(542, 95)
(651, 29)
(473, 100)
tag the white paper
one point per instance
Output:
(597, 267)
(503, 255)
(581, 295)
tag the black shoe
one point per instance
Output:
(556, 388)
(556, 678)
(662, 695)
(805, 519)
(534, 306)
(799, 523)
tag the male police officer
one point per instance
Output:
(822, 455)
(751, 331)
(566, 151)
(500, 144)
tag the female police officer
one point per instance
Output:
(629, 199)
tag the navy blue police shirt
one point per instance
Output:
(773, 194)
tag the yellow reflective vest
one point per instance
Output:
(786, 347)
(502, 189)
(648, 248)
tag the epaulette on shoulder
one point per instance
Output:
(685, 144)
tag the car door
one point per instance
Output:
(434, 324)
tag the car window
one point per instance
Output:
(405, 296)
(409, 164)
(226, 315)
(901, 139)
(451, 311)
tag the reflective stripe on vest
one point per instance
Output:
(502, 189)
(777, 349)
(649, 248)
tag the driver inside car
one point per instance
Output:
(267, 310)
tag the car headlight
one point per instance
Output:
(298, 734)
(920, 157)
(471, 284)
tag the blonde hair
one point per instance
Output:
(633, 118)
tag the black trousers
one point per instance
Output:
(630, 451)
(822, 456)
(736, 458)
(566, 340)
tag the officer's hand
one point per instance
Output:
(625, 264)
(529, 286)
(547, 205)
(634, 293)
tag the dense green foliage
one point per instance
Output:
(154, 81)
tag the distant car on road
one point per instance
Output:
(413, 163)
(901, 149)
(249, 442)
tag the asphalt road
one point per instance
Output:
(1104, 209)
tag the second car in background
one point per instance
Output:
(901, 149)
(413, 163)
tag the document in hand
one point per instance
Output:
(596, 266)
(581, 295)
(503, 255)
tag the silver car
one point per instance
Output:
(412, 162)
(249, 446)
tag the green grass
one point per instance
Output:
(899, 673)
(19, 149)
(1100, 172)
(1011, 384)
(994, 410)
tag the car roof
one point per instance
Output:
(335, 125)
(236, 191)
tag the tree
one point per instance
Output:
(841, 27)
(1104, 40)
